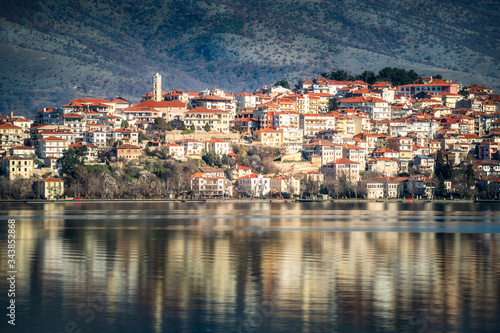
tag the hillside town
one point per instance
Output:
(433, 138)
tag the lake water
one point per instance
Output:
(253, 267)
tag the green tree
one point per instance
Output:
(161, 124)
(183, 127)
(192, 128)
(464, 92)
(470, 175)
(448, 172)
(124, 124)
(283, 83)
(437, 77)
(142, 137)
(397, 76)
(496, 156)
(226, 160)
(176, 124)
(441, 189)
(212, 159)
(206, 127)
(441, 168)
(169, 127)
(368, 77)
(298, 85)
(332, 104)
(338, 76)
(73, 158)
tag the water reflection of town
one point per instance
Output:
(230, 265)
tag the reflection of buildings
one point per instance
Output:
(222, 264)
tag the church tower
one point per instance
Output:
(157, 87)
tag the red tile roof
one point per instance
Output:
(52, 180)
(52, 138)
(9, 126)
(163, 104)
(211, 98)
(362, 99)
(201, 109)
(22, 148)
(342, 161)
(128, 146)
(80, 144)
(253, 175)
(216, 140)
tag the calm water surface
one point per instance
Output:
(253, 267)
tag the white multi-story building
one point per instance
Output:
(210, 185)
(141, 113)
(95, 137)
(220, 147)
(355, 154)
(342, 167)
(245, 100)
(377, 108)
(293, 139)
(76, 122)
(52, 147)
(255, 185)
(215, 99)
(125, 135)
(377, 188)
(191, 147)
(217, 120)
(326, 150)
(174, 150)
(311, 124)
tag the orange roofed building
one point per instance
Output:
(340, 167)
(128, 152)
(91, 150)
(217, 120)
(220, 147)
(210, 185)
(268, 137)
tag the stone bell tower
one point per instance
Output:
(157, 87)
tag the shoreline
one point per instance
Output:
(287, 201)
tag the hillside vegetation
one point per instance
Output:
(56, 50)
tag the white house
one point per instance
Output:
(174, 150)
(377, 108)
(220, 147)
(255, 185)
(52, 147)
(191, 147)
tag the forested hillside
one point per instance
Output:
(56, 50)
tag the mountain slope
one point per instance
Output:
(61, 49)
